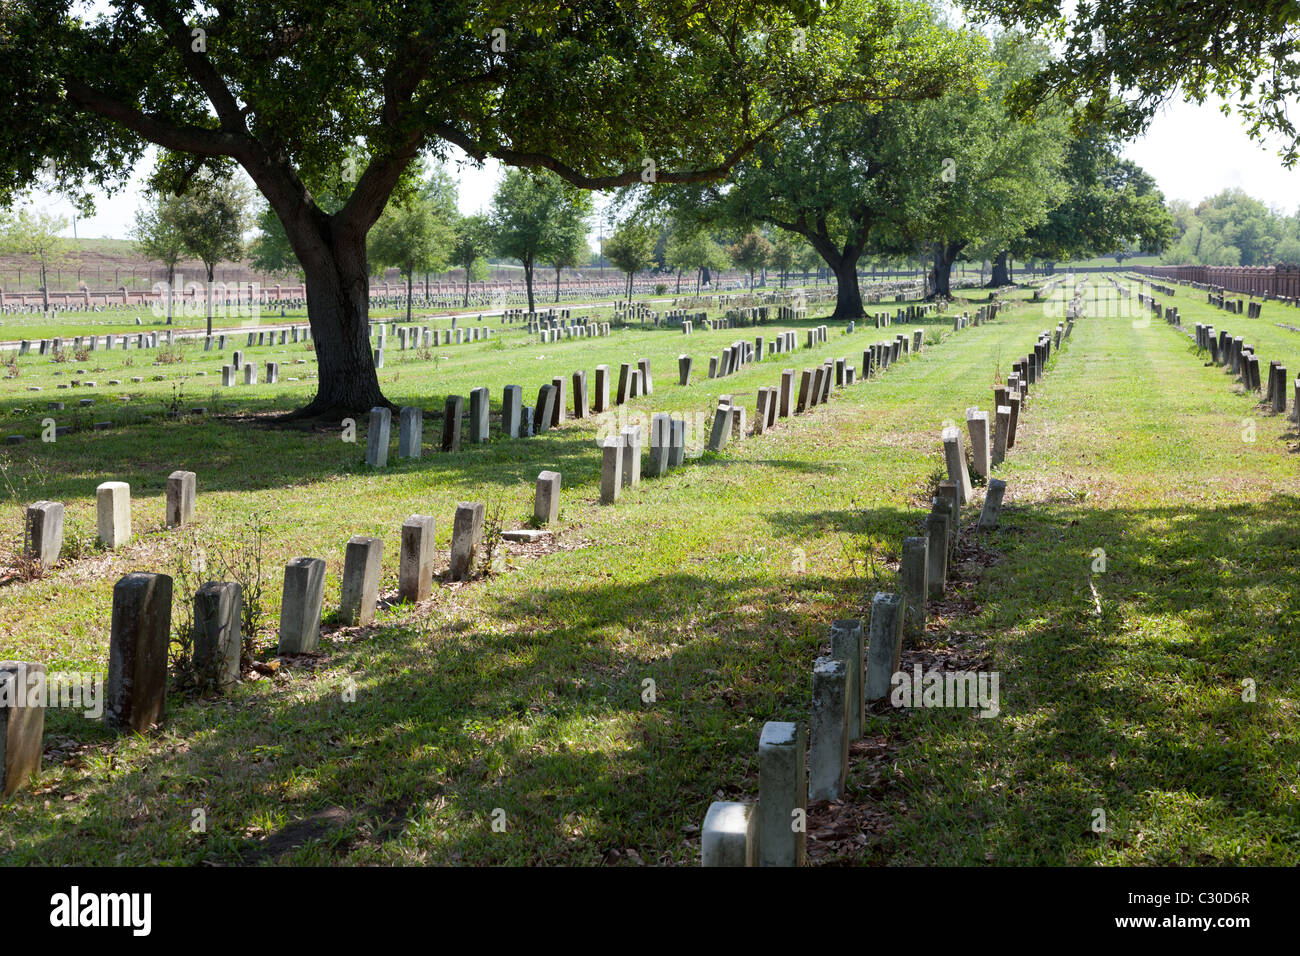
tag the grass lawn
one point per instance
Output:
(522, 692)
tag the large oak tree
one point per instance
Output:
(602, 93)
(838, 178)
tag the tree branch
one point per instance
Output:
(182, 138)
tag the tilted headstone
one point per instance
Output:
(955, 458)
(137, 652)
(544, 415)
(466, 539)
(992, 504)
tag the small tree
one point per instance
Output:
(695, 250)
(527, 212)
(415, 232)
(631, 248)
(212, 216)
(751, 253)
(158, 236)
(36, 234)
(783, 253)
(808, 259)
(472, 242)
(566, 244)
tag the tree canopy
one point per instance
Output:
(593, 91)
(535, 217)
(416, 231)
(1240, 51)
(158, 236)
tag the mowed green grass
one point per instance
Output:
(521, 692)
(1134, 447)
(1272, 342)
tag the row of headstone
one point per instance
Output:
(731, 360)
(795, 766)
(1236, 306)
(154, 340)
(621, 459)
(229, 373)
(43, 520)
(140, 629)
(684, 318)
(1237, 357)
(590, 330)
(412, 337)
(517, 420)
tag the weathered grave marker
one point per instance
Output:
(362, 562)
(377, 436)
(829, 757)
(415, 569)
(782, 794)
(546, 501)
(466, 539)
(218, 632)
(113, 513)
(43, 532)
(180, 498)
(22, 725)
(300, 605)
(137, 652)
(884, 643)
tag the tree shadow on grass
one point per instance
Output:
(1137, 712)
(537, 709)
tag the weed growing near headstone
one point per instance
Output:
(491, 558)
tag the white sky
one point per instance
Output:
(1192, 151)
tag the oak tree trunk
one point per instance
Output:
(338, 309)
(848, 296)
(1001, 276)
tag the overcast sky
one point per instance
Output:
(1192, 151)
